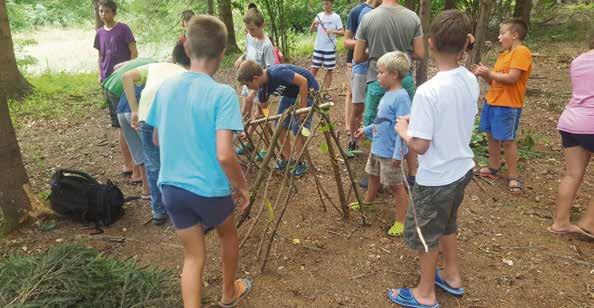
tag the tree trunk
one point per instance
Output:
(210, 5)
(14, 202)
(12, 82)
(450, 4)
(522, 10)
(98, 21)
(425, 15)
(226, 15)
(480, 32)
(411, 5)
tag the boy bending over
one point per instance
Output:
(440, 129)
(194, 119)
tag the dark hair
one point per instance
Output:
(187, 14)
(207, 37)
(591, 39)
(248, 70)
(518, 26)
(253, 16)
(179, 55)
(449, 31)
(108, 3)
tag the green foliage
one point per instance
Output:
(71, 275)
(25, 14)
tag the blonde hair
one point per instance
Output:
(395, 62)
(248, 70)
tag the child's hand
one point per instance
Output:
(242, 198)
(134, 120)
(401, 126)
(480, 70)
(359, 133)
(396, 163)
(242, 136)
(238, 62)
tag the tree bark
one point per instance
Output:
(210, 5)
(98, 21)
(522, 10)
(450, 4)
(480, 32)
(12, 83)
(14, 202)
(425, 15)
(226, 15)
(411, 5)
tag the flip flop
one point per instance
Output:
(514, 189)
(445, 286)
(248, 287)
(560, 232)
(585, 232)
(406, 298)
(486, 172)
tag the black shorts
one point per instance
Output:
(350, 54)
(570, 140)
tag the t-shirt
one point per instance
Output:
(443, 111)
(280, 81)
(511, 95)
(113, 83)
(388, 28)
(578, 116)
(153, 76)
(113, 46)
(386, 143)
(354, 18)
(363, 67)
(188, 110)
(260, 51)
(325, 42)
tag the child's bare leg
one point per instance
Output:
(128, 165)
(230, 252)
(348, 106)
(494, 152)
(510, 149)
(372, 188)
(285, 143)
(299, 143)
(314, 70)
(192, 239)
(577, 159)
(145, 188)
(356, 117)
(425, 291)
(400, 202)
(136, 173)
(327, 80)
(451, 273)
(587, 221)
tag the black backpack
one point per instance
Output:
(78, 195)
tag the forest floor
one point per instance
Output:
(508, 257)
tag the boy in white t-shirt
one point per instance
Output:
(440, 129)
(328, 25)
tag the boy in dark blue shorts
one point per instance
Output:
(293, 84)
(194, 120)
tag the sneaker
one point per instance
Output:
(300, 169)
(159, 220)
(364, 182)
(260, 156)
(241, 150)
(281, 165)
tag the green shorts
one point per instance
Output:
(437, 212)
(374, 94)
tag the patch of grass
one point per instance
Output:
(70, 275)
(58, 95)
(304, 45)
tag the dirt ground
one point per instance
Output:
(508, 257)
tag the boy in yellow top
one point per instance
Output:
(504, 101)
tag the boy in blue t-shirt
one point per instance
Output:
(387, 148)
(195, 119)
(293, 84)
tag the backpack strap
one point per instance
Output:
(62, 172)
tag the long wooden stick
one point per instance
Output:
(297, 112)
(336, 171)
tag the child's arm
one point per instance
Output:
(301, 82)
(360, 55)
(349, 41)
(314, 25)
(416, 144)
(239, 60)
(418, 49)
(133, 50)
(155, 137)
(339, 32)
(488, 75)
(228, 160)
(128, 80)
(401, 109)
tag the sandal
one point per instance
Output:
(247, 287)
(514, 189)
(396, 230)
(406, 298)
(486, 172)
(445, 286)
(585, 232)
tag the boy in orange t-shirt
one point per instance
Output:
(501, 112)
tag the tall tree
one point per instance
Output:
(12, 82)
(98, 21)
(450, 4)
(425, 15)
(226, 15)
(480, 32)
(522, 10)
(410, 4)
(14, 202)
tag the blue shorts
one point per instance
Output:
(187, 209)
(291, 121)
(500, 122)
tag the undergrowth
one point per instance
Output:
(70, 275)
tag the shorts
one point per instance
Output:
(375, 92)
(292, 121)
(327, 59)
(112, 105)
(187, 209)
(132, 138)
(570, 140)
(385, 169)
(500, 122)
(437, 212)
(358, 86)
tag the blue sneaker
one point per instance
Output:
(241, 150)
(260, 156)
(300, 169)
(281, 165)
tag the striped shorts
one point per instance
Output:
(324, 58)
